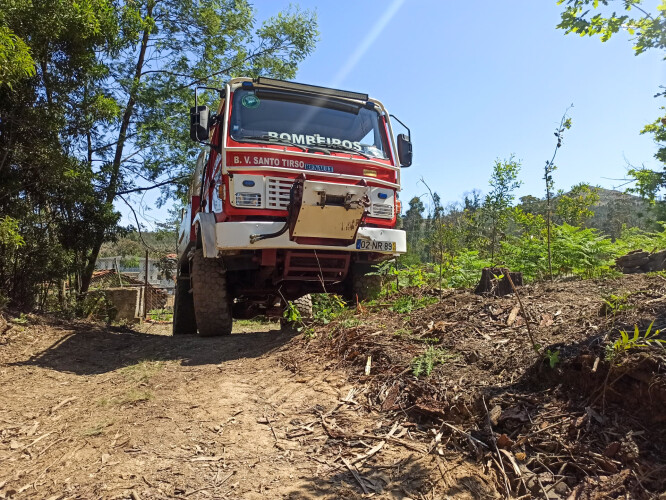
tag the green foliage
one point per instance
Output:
(496, 206)
(553, 357)
(15, 60)
(647, 339)
(160, 314)
(408, 303)
(613, 304)
(575, 207)
(465, 269)
(326, 307)
(581, 251)
(9, 233)
(648, 31)
(426, 362)
(291, 314)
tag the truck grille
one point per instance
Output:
(277, 192)
(383, 211)
(315, 266)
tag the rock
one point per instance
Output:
(639, 261)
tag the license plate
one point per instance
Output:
(375, 245)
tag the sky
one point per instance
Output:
(483, 80)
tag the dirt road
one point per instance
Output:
(88, 411)
(93, 412)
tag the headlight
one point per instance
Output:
(248, 199)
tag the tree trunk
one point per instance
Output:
(114, 178)
(494, 281)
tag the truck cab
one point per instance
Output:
(295, 193)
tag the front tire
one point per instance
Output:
(212, 305)
(304, 306)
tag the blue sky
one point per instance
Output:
(481, 80)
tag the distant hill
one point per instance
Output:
(159, 243)
(614, 209)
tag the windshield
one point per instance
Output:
(266, 115)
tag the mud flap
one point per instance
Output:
(206, 223)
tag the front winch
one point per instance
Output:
(327, 210)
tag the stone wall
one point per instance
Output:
(126, 302)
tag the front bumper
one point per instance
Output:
(236, 236)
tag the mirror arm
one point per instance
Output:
(409, 133)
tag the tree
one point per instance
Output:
(648, 31)
(413, 224)
(164, 48)
(565, 124)
(496, 206)
(575, 207)
(105, 108)
(15, 60)
(47, 190)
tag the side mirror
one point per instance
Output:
(404, 150)
(199, 125)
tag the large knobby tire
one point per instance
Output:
(304, 306)
(184, 321)
(365, 286)
(212, 304)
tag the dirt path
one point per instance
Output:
(92, 412)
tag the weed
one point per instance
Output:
(351, 322)
(326, 307)
(292, 314)
(553, 357)
(161, 314)
(21, 320)
(134, 396)
(402, 332)
(407, 303)
(309, 333)
(614, 304)
(142, 371)
(625, 343)
(131, 396)
(433, 356)
(250, 323)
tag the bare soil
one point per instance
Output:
(91, 411)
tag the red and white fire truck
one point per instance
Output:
(295, 193)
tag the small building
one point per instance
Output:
(161, 272)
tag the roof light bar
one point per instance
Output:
(282, 84)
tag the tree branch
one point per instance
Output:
(138, 226)
(154, 186)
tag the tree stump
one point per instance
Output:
(639, 261)
(494, 281)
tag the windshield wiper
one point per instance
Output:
(319, 149)
(265, 139)
(342, 147)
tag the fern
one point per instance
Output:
(426, 362)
